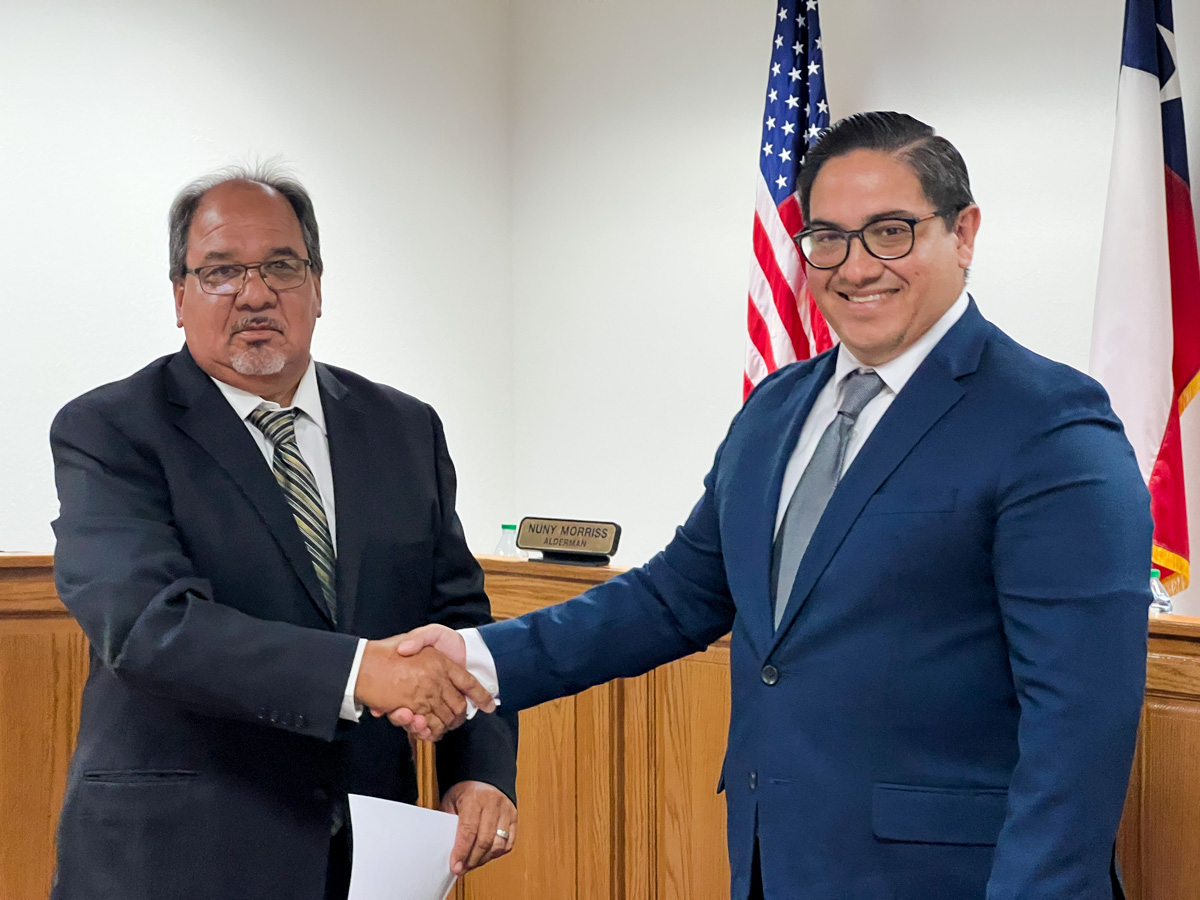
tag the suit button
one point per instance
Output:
(770, 674)
(753, 780)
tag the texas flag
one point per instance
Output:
(1146, 329)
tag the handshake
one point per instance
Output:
(420, 682)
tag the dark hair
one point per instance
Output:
(268, 174)
(936, 162)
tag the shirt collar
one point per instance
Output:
(307, 399)
(896, 372)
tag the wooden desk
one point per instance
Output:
(617, 785)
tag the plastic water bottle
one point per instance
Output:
(508, 542)
(1161, 600)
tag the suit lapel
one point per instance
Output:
(208, 419)
(931, 392)
(765, 450)
(349, 431)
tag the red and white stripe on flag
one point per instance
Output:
(1146, 328)
(783, 324)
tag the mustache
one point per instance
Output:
(252, 323)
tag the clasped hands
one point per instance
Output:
(420, 682)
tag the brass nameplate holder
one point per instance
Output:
(570, 540)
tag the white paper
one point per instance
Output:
(401, 852)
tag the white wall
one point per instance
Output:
(558, 193)
(634, 163)
(396, 117)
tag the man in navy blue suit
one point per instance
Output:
(931, 546)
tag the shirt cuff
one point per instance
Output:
(351, 708)
(481, 665)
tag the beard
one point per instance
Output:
(257, 360)
(260, 358)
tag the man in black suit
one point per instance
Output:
(241, 533)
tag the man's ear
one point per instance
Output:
(177, 286)
(965, 229)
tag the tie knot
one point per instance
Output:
(279, 425)
(860, 389)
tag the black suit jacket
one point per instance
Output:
(210, 750)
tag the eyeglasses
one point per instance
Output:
(225, 279)
(828, 248)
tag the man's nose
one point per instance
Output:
(254, 293)
(859, 266)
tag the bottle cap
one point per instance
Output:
(508, 527)
(1154, 573)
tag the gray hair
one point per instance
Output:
(937, 163)
(268, 174)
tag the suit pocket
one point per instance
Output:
(935, 815)
(910, 499)
(136, 835)
(145, 777)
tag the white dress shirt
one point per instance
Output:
(313, 442)
(895, 374)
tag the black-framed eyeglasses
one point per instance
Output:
(891, 238)
(225, 279)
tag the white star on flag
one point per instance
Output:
(767, 150)
(1172, 90)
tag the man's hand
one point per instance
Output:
(450, 644)
(483, 812)
(445, 640)
(427, 683)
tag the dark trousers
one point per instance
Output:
(337, 876)
(756, 888)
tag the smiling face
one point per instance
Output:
(878, 308)
(259, 339)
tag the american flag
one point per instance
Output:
(783, 323)
(1146, 328)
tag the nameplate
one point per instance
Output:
(570, 540)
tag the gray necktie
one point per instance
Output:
(815, 488)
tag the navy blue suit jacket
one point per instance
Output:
(954, 690)
(210, 750)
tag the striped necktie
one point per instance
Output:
(300, 488)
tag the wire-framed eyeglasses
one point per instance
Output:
(223, 279)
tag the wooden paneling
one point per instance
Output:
(617, 786)
(691, 717)
(43, 664)
(566, 766)
(1159, 843)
